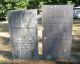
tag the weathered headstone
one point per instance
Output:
(57, 31)
(23, 32)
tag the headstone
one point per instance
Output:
(57, 31)
(23, 32)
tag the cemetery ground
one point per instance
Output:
(5, 48)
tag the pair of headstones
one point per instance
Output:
(57, 34)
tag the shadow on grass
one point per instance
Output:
(76, 21)
(5, 40)
(6, 54)
(40, 62)
(76, 45)
(4, 27)
(75, 51)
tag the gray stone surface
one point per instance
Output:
(23, 33)
(57, 34)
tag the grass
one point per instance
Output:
(6, 55)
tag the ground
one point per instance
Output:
(5, 48)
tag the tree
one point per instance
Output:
(76, 2)
(6, 5)
(33, 4)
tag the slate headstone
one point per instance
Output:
(23, 33)
(57, 31)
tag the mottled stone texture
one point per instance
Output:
(23, 33)
(57, 33)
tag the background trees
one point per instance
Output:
(6, 5)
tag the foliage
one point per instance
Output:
(33, 4)
(6, 5)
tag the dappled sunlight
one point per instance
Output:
(4, 34)
(2, 58)
(4, 45)
(76, 30)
